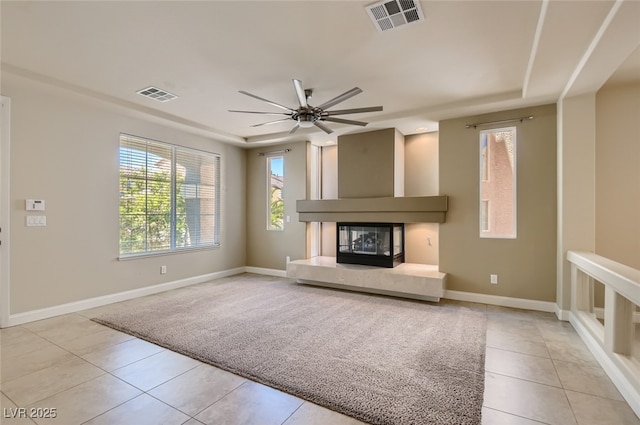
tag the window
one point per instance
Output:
(498, 183)
(169, 197)
(275, 197)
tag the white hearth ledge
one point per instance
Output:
(409, 280)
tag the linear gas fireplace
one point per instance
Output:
(371, 244)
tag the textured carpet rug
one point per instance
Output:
(379, 359)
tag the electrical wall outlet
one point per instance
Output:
(163, 269)
(494, 279)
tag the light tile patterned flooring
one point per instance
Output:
(538, 371)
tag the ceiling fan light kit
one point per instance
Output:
(307, 116)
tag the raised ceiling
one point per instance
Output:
(464, 57)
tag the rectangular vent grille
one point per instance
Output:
(157, 94)
(391, 14)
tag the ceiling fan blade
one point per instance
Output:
(257, 112)
(302, 97)
(322, 127)
(343, 121)
(341, 98)
(286, 108)
(354, 110)
(295, 127)
(271, 122)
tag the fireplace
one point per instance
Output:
(371, 244)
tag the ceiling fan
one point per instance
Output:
(306, 115)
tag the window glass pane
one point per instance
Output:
(497, 209)
(196, 198)
(169, 197)
(275, 198)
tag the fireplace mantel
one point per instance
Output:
(403, 209)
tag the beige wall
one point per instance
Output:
(367, 164)
(63, 146)
(64, 149)
(526, 266)
(421, 179)
(329, 172)
(618, 174)
(421, 165)
(269, 248)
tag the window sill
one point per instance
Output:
(127, 257)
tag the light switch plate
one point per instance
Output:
(36, 220)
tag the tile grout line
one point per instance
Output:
(517, 416)
(519, 352)
(564, 390)
(526, 380)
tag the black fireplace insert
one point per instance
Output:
(371, 244)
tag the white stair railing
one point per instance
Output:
(612, 343)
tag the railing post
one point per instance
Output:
(618, 323)
(582, 290)
(613, 343)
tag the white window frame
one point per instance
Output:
(269, 197)
(198, 189)
(485, 208)
(491, 206)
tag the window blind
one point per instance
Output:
(169, 197)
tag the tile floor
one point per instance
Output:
(538, 371)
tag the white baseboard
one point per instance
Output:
(561, 314)
(268, 272)
(546, 306)
(73, 307)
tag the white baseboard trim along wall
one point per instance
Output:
(268, 272)
(546, 306)
(45, 313)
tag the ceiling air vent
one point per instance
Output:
(157, 94)
(388, 15)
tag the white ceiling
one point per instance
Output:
(465, 57)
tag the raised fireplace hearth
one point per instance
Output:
(371, 244)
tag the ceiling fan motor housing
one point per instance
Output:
(306, 117)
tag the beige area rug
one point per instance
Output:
(381, 360)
